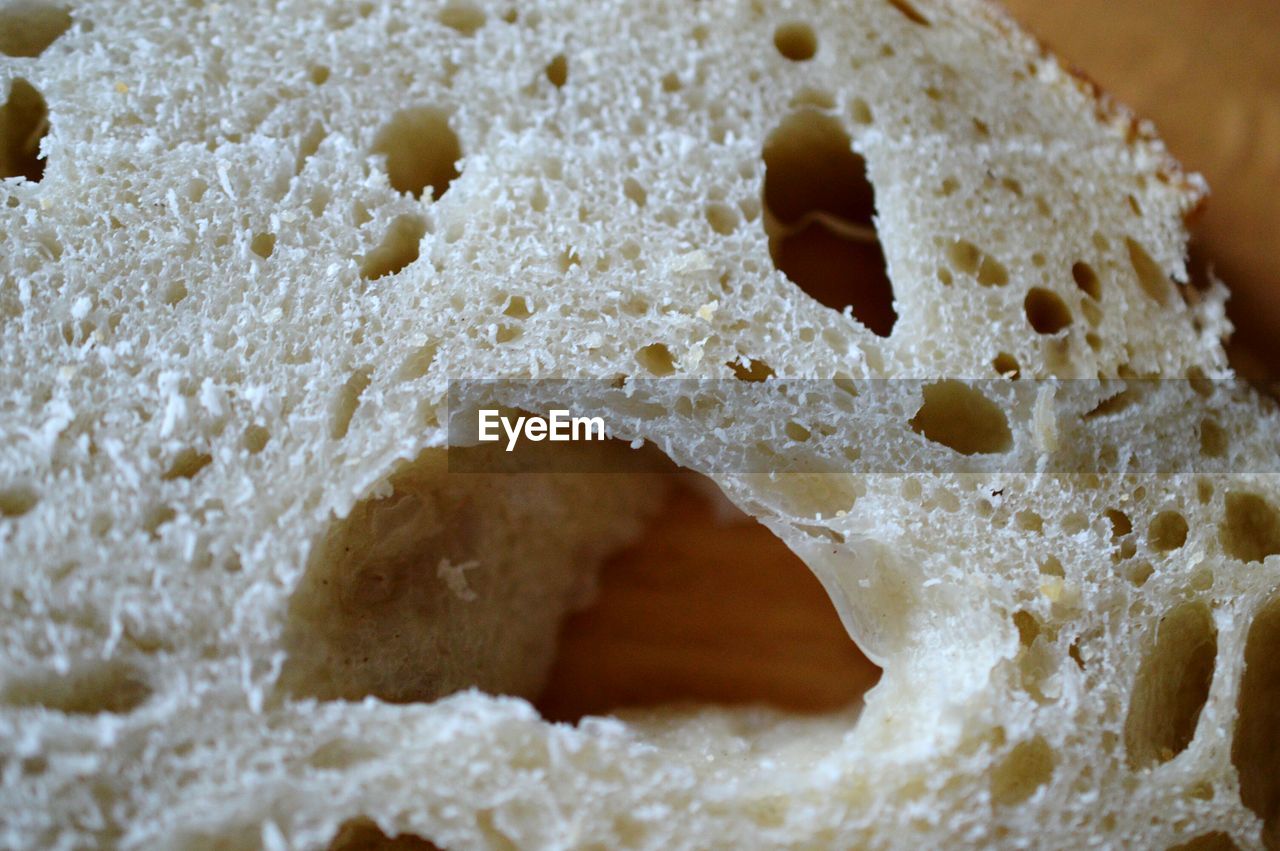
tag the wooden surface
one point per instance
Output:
(708, 607)
(703, 611)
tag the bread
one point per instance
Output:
(244, 600)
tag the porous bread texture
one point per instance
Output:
(230, 308)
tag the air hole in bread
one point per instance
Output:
(722, 218)
(819, 219)
(17, 500)
(318, 74)
(347, 401)
(1086, 279)
(1028, 627)
(1007, 365)
(89, 688)
(518, 308)
(657, 593)
(361, 834)
(910, 11)
(1029, 521)
(569, 258)
(1152, 278)
(174, 292)
(433, 584)
(1216, 841)
(1111, 405)
(796, 41)
(463, 16)
(635, 192)
(1037, 660)
(186, 464)
(797, 432)
(973, 261)
(1052, 566)
(1167, 531)
(24, 121)
(263, 244)
(156, 517)
(992, 273)
(1026, 768)
(1121, 525)
(965, 256)
(657, 359)
(308, 145)
(1250, 530)
(749, 369)
(397, 250)
(1139, 572)
(960, 417)
(841, 273)
(1255, 749)
(417, 363)
(421, 151)
(27, 27)
(1213, 439)
(1046, 311)
(255, 439)
(558, 70)
(1172, 686)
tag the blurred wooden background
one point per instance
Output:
(708, 610)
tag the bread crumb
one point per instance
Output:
(691, 263)
(1045, 419)
(454, 576)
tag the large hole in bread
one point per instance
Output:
(709, 607)
(796, 41)
(421, 150)
(347, 401)
(960, 417)
(1255, 750)
(447, 580)
(1151, 277)
(1250, 530)
(1027, 767)
(24, 121)
(440, 582)
(17, 500)
(27, 27)
(1172, 686)
(819, 209)
(1215, 841)
(399, 248)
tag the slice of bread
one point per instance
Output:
(248, 244)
